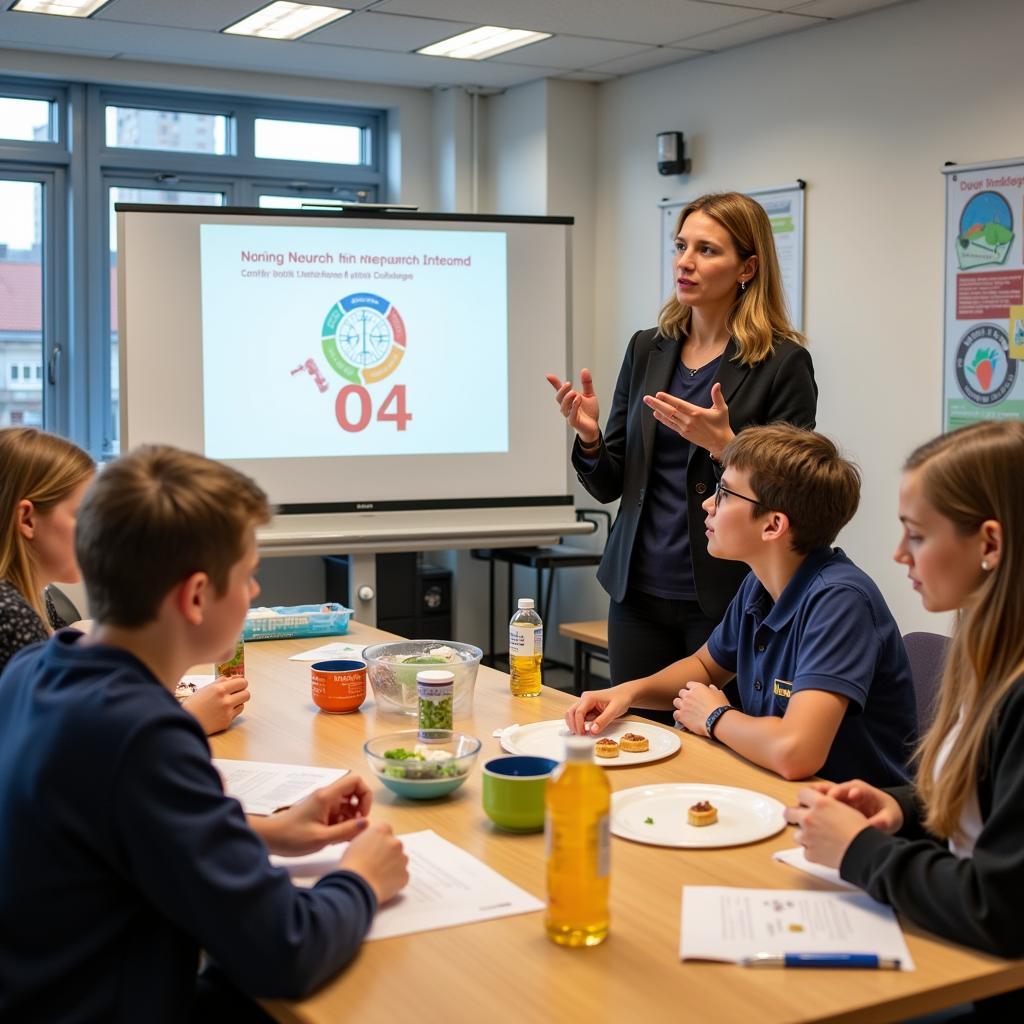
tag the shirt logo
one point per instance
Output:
(782, 688)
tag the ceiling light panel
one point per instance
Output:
(284, 20)
(481, 43)
(63, 8)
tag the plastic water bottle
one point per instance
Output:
(525, 650)
(578, 848)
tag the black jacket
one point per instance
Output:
(780, 387)
(979, 900)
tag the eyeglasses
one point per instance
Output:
(721, 489)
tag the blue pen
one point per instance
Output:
(821, 960)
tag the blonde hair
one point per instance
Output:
(154, 517)
(44, 469)
(801, 473)
(968, 477)
(758, 315)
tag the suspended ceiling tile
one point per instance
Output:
(757, 28)
(389, 31)
(842, 8)
(569, 52)
(655, 58)
(205, 15)
(656, 22)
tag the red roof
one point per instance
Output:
(21, 300)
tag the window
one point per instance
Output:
(60, 338)
(305, 140)
(21, 294)
(179, 131)
(27, 120)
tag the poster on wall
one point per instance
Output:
(983, 343)
(784, 205)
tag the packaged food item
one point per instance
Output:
(235, 665)
(436, 691)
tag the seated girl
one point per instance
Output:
(43, 480)
(949, 852)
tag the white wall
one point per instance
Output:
(867, 111)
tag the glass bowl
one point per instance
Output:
(427, 778)
(394, 681)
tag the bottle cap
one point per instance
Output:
(526, 603)
(579, 748)
(435, 677)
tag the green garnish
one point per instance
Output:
(648, 821)
(401, 754)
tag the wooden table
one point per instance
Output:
(507, 970)
(590, 640)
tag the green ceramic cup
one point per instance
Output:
(514, 790)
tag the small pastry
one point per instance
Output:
(606, 748)
(634, 742)
(702, 814)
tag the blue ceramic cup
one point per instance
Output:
(514, 789)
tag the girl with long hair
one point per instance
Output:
(43, 478)
(949, 852)
(723, 356)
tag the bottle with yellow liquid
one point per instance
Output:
(525, 650)
(578, 848)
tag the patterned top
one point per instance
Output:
(19, 624)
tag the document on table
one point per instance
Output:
(724, 923)
(795, 858)
(331, 651)
(447, 886)
(262, 787)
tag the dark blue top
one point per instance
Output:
(830, 630)
(121, 857)
(661, 564)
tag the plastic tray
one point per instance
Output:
(298, 620)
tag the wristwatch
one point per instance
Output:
(712, 719)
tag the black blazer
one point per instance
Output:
(780, 387)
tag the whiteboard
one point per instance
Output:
(784, 205)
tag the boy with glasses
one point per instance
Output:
(822, 675)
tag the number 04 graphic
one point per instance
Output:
(392, 410)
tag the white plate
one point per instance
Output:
(743, 815)
(547, 739)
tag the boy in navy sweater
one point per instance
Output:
(120, 856)
(821, 672)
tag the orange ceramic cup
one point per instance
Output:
(339, 686)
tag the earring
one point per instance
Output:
(985, 565)
(743, 286)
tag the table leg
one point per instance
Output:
(577, 667)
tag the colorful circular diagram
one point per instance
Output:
(984, 372)
(363, 337)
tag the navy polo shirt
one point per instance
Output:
(830, 630)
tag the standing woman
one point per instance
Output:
(949, 852)
(722, 357)
(43, 478)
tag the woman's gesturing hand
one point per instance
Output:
(708, 428)
(578, 407)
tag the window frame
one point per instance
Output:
(75, 170)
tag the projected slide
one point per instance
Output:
(328, 341)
